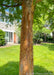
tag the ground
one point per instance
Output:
(43, 59)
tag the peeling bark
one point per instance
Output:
(26, 48)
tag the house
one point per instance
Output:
(10, 35)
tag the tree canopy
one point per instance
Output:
(12, 9)
(38, 8)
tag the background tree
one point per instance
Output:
(52, 28)
(46, 32)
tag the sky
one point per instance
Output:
(7, 10)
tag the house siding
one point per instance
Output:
(10, 29)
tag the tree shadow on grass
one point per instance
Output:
(12, 68)
(39, 70)
(50, 46)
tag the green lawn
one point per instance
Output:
(43, 60)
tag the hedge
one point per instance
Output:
(2, 37)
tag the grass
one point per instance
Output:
(43, 60)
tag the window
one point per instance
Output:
(7, 36)
(10, 37)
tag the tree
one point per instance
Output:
(52, 28)
(46, 31)
(38, 25)
(26, 47)
(50, 19)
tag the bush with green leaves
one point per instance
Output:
(42, 37)
(37, 38)
(2, 38)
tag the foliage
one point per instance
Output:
(42, 36)
(44, 12)
(10, 13)
(2, 37)
(47, 38)
(46, 31)
(37, 38)
(42, 8)
(43, 18)
(38, 26)
(41, 30)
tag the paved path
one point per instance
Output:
(8, 45)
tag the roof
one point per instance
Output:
(7, 27)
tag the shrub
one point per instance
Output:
(42, 37)
(41, 40)
(2, 38)
(37, 38)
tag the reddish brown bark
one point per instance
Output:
(26, 48)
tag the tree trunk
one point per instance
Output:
(53, 35)
(45, 37)
(26, 48)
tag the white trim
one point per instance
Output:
(8, 30)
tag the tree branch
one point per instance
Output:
(11, 5)
(37, 1)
